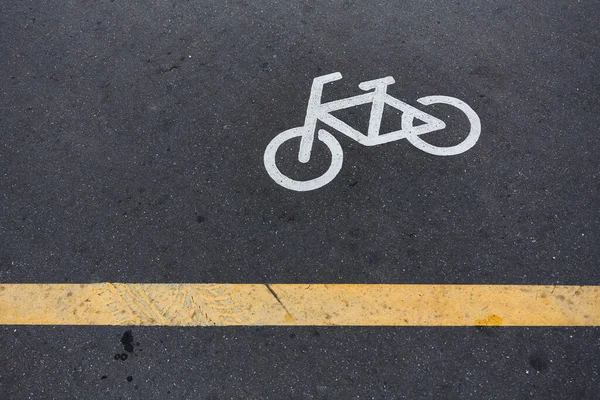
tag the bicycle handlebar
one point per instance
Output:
(321, 80)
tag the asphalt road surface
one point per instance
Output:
(132, 137)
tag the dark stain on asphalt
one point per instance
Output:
(538, 362)
(129, 378)
(127, 341)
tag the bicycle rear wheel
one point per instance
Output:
(466, 144)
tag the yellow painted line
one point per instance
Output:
(298, 304)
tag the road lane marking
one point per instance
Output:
(298, 304)
(378, 98)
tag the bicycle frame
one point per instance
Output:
(378, 97)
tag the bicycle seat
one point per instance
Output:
(375, 83)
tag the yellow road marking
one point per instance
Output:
(298, 304)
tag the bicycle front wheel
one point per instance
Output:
(337, 157)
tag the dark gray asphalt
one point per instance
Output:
(131, 145)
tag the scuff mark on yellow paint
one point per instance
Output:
(491, 320)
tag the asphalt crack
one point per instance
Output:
(277, 298)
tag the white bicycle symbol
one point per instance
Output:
(378, 97)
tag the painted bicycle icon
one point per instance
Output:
(377, 95)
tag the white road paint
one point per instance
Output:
(470, 140)
(337, 158)
(378, 98)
